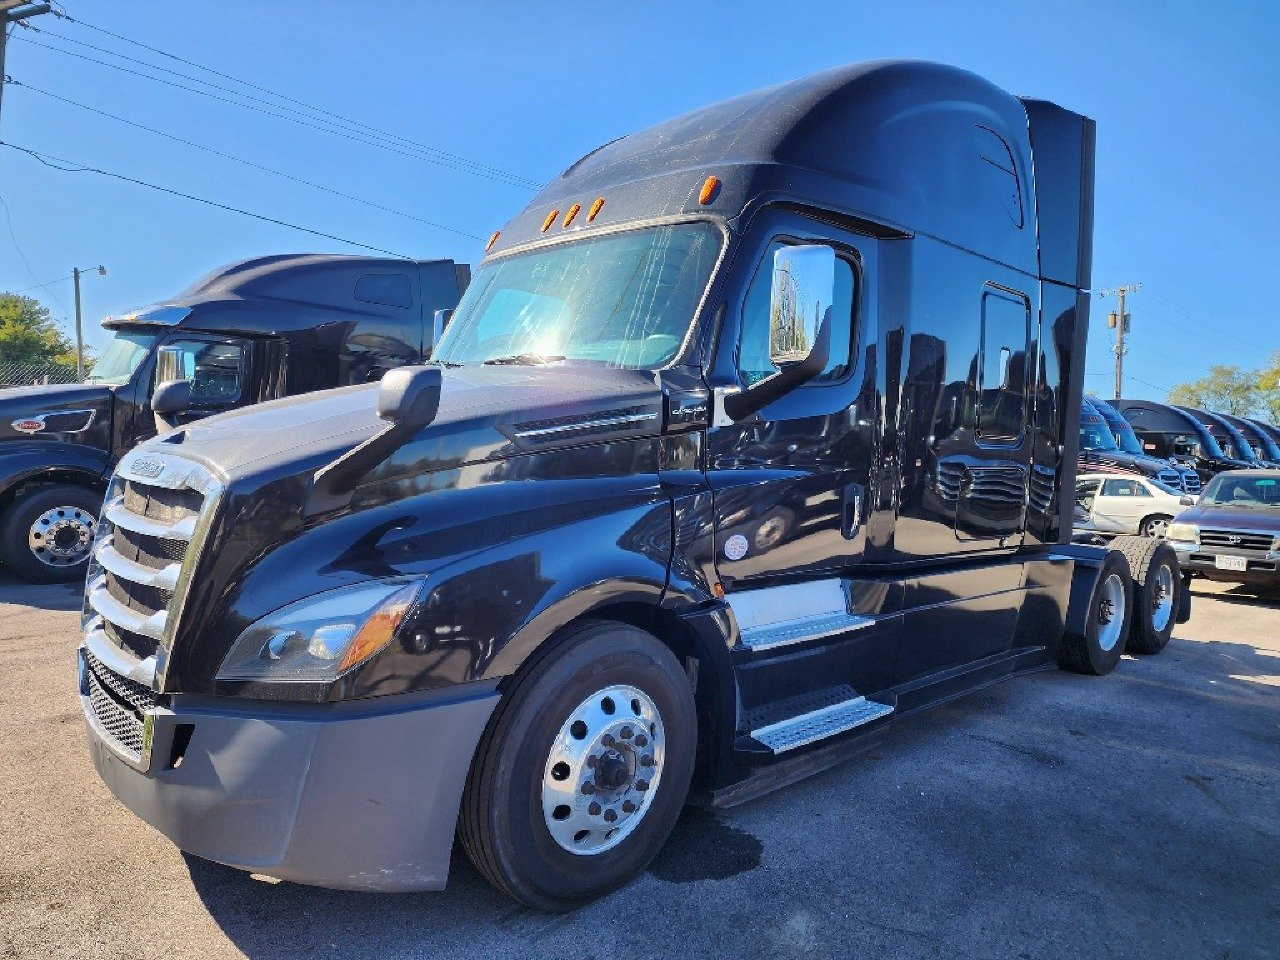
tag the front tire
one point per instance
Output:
(584, 768)
(1155, 526)
(47, 532)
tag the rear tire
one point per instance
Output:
(1157, 592)
(1097, 648)
(47, 532)
(583, 769)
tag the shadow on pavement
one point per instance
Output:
(42, 596)
(1243, 594)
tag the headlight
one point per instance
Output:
(1187, 532)
(321, 637)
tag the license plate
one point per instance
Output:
(1231, 563)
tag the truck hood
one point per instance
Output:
(1222, 516)
(53, 412)
(484, 413)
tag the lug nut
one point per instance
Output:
(588, 788)
(608, 740)
(642, 741)
(610, 816)
(592, 760)
(594, 809)
(642, 784)
(646, 760)
(626, 733)
(628, 806)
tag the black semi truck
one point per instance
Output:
(1167, 431)
(251, 331)
(1109, 445)
(754, 432)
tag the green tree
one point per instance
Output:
(1226, 388)
(28, 334)
(1269, 386)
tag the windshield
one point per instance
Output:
(624, 299)
(1254, 493)
(1240, 450)
(1096, 436)
(1125, 437)
(126, 350)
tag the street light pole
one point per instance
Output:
(75, 275)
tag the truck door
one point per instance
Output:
(985, 470)
(790, 482)
(225, 372)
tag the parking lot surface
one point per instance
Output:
(1136, 815)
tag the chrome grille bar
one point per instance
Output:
(116, 513)
(109, 608)
(163, 578)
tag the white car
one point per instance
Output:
(1127, 503)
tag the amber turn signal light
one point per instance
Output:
(492, 240)
(573, 212)
(596, 207)
(551, 218)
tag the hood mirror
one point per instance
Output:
(804, 286)
(1187, 501)
(408, 399)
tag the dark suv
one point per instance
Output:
(1233, 531)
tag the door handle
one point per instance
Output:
(851, 510)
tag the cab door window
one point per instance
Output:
(754, 364)
(215, 369)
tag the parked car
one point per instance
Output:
(1114, 504)
(1233, 531)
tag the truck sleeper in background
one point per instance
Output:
(252, 331)
(754, 431)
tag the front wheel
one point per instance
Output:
(583, 769)
(1155, 526)
(47, 532)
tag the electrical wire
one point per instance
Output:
(51, 161)
(338, 126)
(249, 163)
(27, 263)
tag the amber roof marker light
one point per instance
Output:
(596, 206)
(551, 218)
(492, 240)
(710, 187)
(573, 212)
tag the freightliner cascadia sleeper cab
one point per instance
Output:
(251, 331)
(753, 432)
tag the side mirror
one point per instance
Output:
(170, 365)
(439, 321)
(410, 395)
(170, 399)
(1187, 501)
(804, 285)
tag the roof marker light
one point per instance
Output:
(551, 218)
(596, 207)
(492, 240)
(573, 212)
(710, 187)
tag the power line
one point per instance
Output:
(47, 283)
(51, 161)
(1201, 327)
(339, 126)
(249, 163)
(25, 262)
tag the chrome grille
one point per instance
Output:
(1236, 540)
(147, 526)
(1170, 478)
(1191, 481)
(118, 705)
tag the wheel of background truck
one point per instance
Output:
(1156, 586)
(1154, 525)
(47, 532)
(1097, 649)
(583, 769)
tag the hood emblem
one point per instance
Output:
(1234, 538)
(144, 467)
(28, 425)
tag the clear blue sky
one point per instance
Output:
(1186, 96)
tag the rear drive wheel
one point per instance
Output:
(1155, 526)
(583, 769)
(1157, 586)
(47, 532)
(1097, 648)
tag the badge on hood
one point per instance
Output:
(28, 425)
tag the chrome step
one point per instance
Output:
(819, 724)
(770, 635)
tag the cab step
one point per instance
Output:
(770, 635)
(819, 724)
(774, 617)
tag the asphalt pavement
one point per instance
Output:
(1051, 816)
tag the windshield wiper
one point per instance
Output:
(525, 359)
(444, 363)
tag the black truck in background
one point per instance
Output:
(754, 432)
(255, 330)
(1167, 431)
(1109, 445)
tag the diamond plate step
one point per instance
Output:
(770, 635)
(820, 724)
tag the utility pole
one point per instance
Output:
(1120, 321)
(75, 275)
(12, 11)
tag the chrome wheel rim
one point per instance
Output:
(603, 770)
(62, 536)
(1110, 612)
(1157, 527)
(1162, 599)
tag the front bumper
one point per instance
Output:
(1259, 568)
(361, 795)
